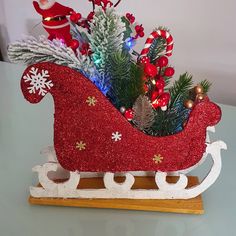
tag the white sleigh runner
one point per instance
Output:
(68, 189)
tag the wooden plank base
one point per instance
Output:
(190, 206)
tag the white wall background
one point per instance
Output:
(204, 33)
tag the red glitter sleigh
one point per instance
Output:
(91, 135)
(93, 141)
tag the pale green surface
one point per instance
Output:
(25, 129)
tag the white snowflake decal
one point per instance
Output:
(38, 81)
(116, 136)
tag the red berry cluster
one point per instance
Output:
(102, 3)
(85, 22)
(90, 16)
(85, 49)
(155, 81)
(75, 17)
(139, 31)
(74, 44)
(130, 18)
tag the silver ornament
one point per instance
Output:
(122, 110)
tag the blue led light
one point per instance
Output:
(97, 61)
(130, 43)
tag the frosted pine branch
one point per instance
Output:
(31, 50)
(106, 38)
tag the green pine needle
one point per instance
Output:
(126, 80)
(172, 120)
(180, 88)
(206, 85)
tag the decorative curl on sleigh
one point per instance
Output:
(165, 190)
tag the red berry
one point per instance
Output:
(154, 95)
(145, 60)
(169, 71)
(150, 70)
(78, 15)
(90, 16)
(141, 28)
(83, 51)
(130, 17)
(129, 114)
(75, 17)
(74, 44)
(141, 34)
(145, 87)
(137, 28)
(155, 103)
(160, 83)
(162, 103)
(162, 61)
(144, 78)
(165, 97)
(160, 90)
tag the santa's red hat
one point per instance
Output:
(47, 5)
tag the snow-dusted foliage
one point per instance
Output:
(106, 38)
(30, 50)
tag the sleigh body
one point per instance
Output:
(91, 135)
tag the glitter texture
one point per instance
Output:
(75, 121)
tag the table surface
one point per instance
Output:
(25, 129)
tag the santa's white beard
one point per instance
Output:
(47, 5)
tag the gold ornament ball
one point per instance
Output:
(200, 97)
(189, 104)
(198, 89)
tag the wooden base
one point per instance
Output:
(190, 206)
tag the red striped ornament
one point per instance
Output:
(154, 35)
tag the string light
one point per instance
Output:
(97, 61)
(130, 42)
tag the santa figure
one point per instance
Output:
(55, 21)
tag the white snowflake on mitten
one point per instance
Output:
(39, 81)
